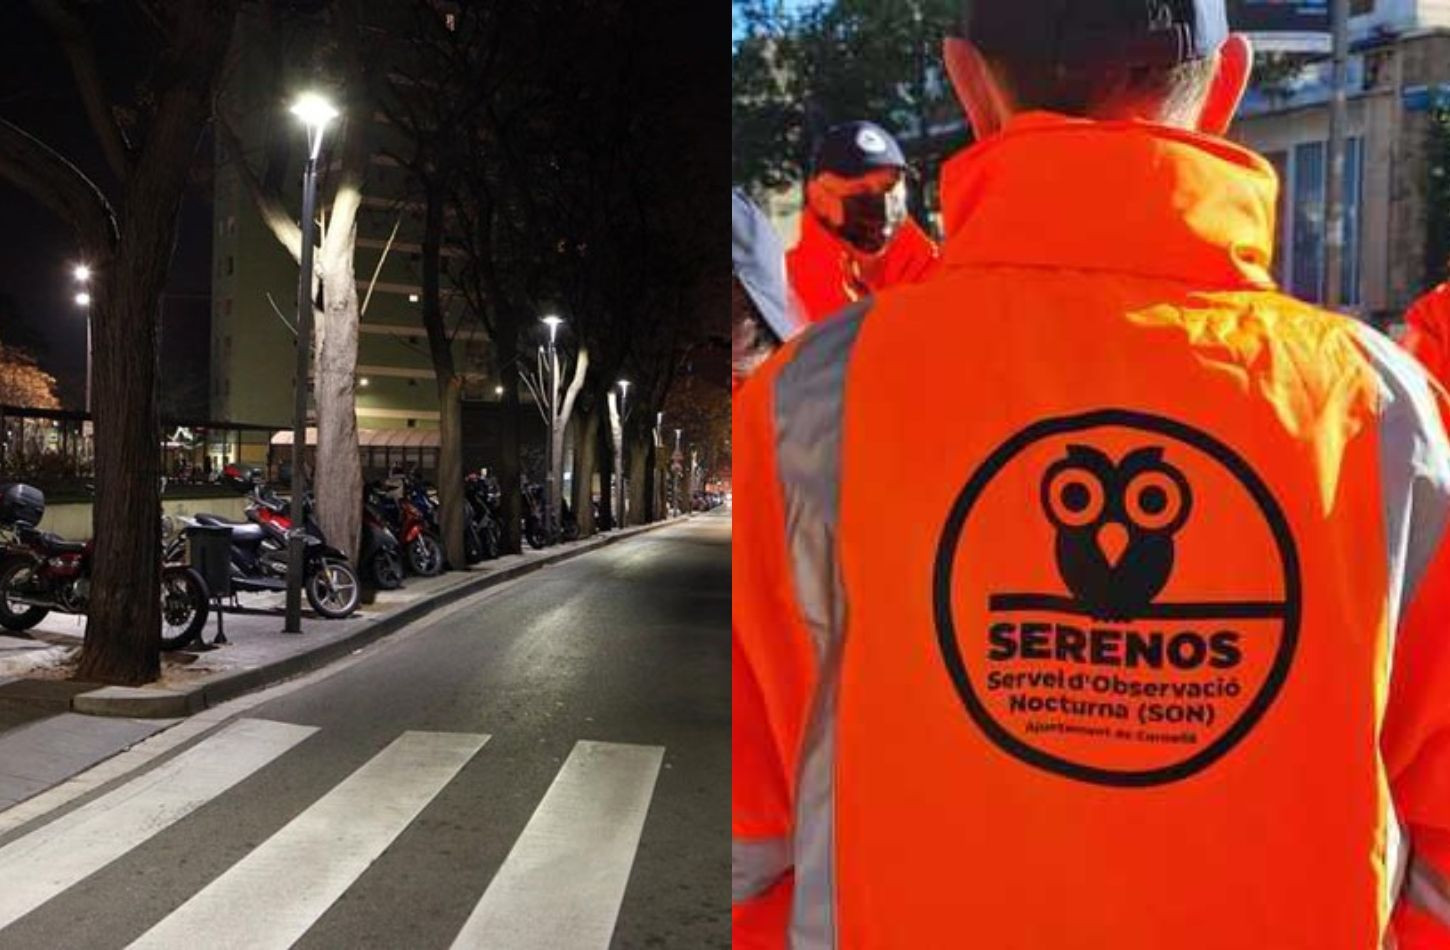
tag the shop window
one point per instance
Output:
(1301, 267)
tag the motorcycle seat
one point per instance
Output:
(55, 544)
(206, 518)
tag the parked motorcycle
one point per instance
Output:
(259, 549)
(483, 503)
(41, 572)
(381, 558)
(422, 552)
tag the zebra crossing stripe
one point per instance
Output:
(47, 861)
(273, 895)
(562, 883)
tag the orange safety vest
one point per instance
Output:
(824, 278)
(1427, 331)
(1094, 594)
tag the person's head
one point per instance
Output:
(857, 188)
(1167, 61)
(761, 316)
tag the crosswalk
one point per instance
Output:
(560, 887)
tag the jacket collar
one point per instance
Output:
(1127, 196)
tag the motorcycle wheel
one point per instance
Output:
(184, 607)
(425, 555)
(472, 544)
(16, 616)
(535, 536)
(386, 568)
(333, 589)
(491, 541)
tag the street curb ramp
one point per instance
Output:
(141, 702)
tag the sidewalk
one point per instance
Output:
(258, 653)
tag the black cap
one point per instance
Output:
(853, 149)
(1086, 32)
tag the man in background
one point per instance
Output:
(762, 315)
(1427, 331)
(856, 235)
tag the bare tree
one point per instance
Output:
(338, 475)
(127, 230)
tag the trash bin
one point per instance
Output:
(211, 556)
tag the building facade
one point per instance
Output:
(1399, 73)
(255, 278)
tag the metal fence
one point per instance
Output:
(54, 449)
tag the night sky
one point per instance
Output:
(37, 250)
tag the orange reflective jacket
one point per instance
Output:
(1093, 594)
(1427, 332)
(825, 279)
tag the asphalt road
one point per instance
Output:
(545, 765)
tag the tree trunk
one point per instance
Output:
(616, 488)
(337, 480)
(122, 641)
(638, 458)
(651, 487)
(604, 454)
(508, 461)
(450, 469)
(450, 387)
(586, 439)
(565, 410)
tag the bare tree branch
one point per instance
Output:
(75, 40)
(268, 201)
(50, 177)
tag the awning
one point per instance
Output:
(374, 438)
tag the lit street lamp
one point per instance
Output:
(82, 274)
(552, 322)
(315, 113)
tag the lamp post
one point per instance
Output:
(619, 454)
(315, 112)
(82, 274)
(675, 462)
(552, 322)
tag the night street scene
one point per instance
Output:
(365, 475)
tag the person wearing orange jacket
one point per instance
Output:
(1427, 331)
(856, 235)
(1094, 594)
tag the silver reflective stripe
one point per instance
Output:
(1414, 467)
(1428, 890)
(809, 410)
(756, 864)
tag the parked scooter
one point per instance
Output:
(41, 572)
(422, 552)
(259, 549)
(381, 557)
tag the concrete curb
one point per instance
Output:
(140, 702)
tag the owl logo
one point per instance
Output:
(1115, 526)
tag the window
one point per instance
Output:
(1280, 161)
(1301, 263)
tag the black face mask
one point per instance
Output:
(872, 219)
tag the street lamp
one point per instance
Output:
(315, 113)
(619, 463)
(552, 322)
(82, 274)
